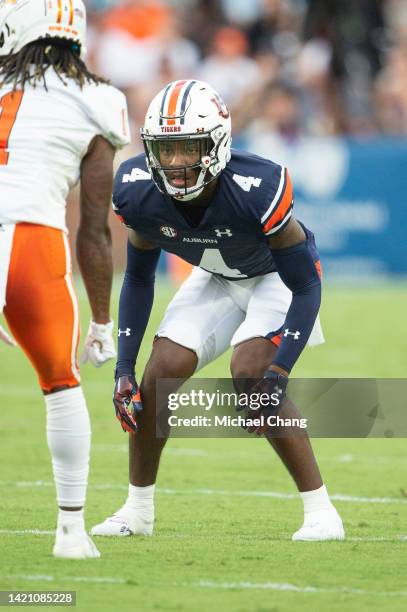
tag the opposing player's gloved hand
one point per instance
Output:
(274, 385)
(99, 345)
(6, 337)
(127, 402)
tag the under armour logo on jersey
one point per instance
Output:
(126, 332)
(136, 175)
(295, 334)
(225, 232)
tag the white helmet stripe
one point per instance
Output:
(167, 89)
(65, 6)
(184, 100)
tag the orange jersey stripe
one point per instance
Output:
(283, 207)
(172, 105)
(9, 105)
(319, 268)
(70, 12)
(59, 14)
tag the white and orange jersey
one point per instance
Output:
(44, 134)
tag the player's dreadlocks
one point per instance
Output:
(30, 64)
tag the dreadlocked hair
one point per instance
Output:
(31, 63)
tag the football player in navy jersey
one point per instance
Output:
(255, 286)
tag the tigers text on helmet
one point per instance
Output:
(25, 21)
(188, 115)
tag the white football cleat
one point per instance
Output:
(320, 525)
(125, 522)
(74, 543)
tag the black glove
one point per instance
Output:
(127, 402)
(274, 385)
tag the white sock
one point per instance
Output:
(71, 518)
(141, 501)
(316, 500)
(68, 436)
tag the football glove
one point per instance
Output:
(274, 385)
(127, 402)
(6, 337)
(99, 345)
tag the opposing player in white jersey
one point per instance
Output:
(58, 124)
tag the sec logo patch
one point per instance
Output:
(168, 231)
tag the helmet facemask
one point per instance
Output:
(190, 119)
(199, 153)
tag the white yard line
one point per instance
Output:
(222, 492)
(286, 586)
(400, 538)
(242, 454)
(47, 578)
(38, 532)
(178, 536)
(210, 584)
(123, 448)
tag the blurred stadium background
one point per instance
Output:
(319, 85)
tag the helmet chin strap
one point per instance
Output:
(189, 193)
(196, 193)
(189, 196)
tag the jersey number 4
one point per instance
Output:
(247, 182)
(212, 261)
(9, 105)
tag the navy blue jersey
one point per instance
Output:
(252, 201)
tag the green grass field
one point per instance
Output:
(222, 537)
